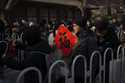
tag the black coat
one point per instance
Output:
(32, 59)
(108, 40)
(88, 44)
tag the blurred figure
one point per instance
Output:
(87, 44)
(65, 40)
(106, 36)
(88, 41)
(115, 25)
(76, 29)
(12, 40)
(43, 28)
(51, 33)
(32, 37)
(14, 31)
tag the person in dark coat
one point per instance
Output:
(106, 36)
(32, 36)
(87, 44)
(88, 40)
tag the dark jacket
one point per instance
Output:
(108, 40)
(32, 59)
(88, 44)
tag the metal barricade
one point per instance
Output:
(119, 50)
(122, 61)
(123, 71)
(117, 70)
(123, 65)
(57, 64)
(121, 57)
(83, 65)
(106, 70)
(108, 56)
(95, 54)
(27, 70)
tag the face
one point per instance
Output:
(75, 28)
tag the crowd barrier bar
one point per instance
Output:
(120, 57)
(118, 51)
(27, 70)
(88, 73)
(95, 53)
(104, 65)
(85, 66)
(122, 63)
(51, 68)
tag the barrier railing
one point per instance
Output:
(58, 63)
(27, 70)
(107, 56)
(102, 68)
(95, 53)
(117, 70)
(122, 62)
(98, 64)
(82, 65)
(119, 51)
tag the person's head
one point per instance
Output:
(76, 28)
(101, 27)
(32, 35)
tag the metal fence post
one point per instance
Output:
(105, 53)
(27, 70)
(51, 68)
(118, 51)
(85, 66)
(95, 53)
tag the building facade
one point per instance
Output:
(37, 10)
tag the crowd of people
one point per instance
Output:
(62, 40)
